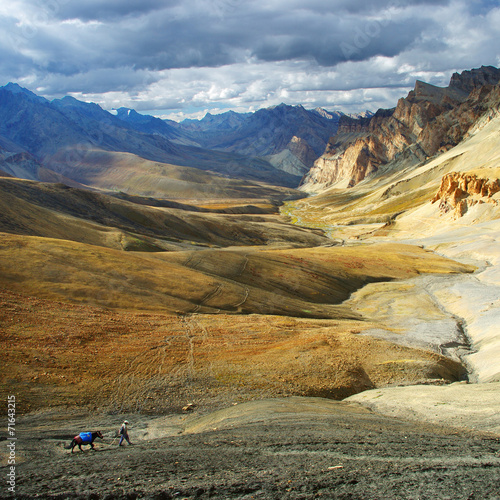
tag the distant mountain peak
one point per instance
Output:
(132, 116)
(69, 98)
(329, 115)
(362, 114)
(73, 102)
(15, 88)
(125, 112)
(279, 106)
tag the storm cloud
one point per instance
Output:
(178, 58)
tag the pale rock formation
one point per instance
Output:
(459, 191)
(470, 406)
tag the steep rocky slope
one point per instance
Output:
(429, 121)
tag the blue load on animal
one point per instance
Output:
(86, 437)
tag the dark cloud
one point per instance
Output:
(354, 41)
(364, 8)
(481, 7)
(235, 52)
(99, 10)
(175, 38)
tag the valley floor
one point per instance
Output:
(253, 356)
(248, 332)
(407, 442)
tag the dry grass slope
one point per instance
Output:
(300, 282)
(57, 211)
(62, 355)
(127, 172)
(241, 306)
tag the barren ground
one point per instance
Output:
(296, 448)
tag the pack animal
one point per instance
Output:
(84, 438)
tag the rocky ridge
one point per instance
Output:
(459, 192)
(469, 80)
(429, 121)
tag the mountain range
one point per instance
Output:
(290, 138)
(66, 139)
(275, 146)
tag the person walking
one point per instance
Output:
(124, 433)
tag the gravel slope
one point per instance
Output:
(296, 448)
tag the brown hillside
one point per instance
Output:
(86, 325)
(58, 211)
(58, 354)
(307, 283)
(127, 172)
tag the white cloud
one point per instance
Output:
(181, 58)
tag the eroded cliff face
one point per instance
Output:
(458, 192)
(429, 121)
(470, 80)
(302, 150)
(352, 154)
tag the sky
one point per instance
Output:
(180, 59)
